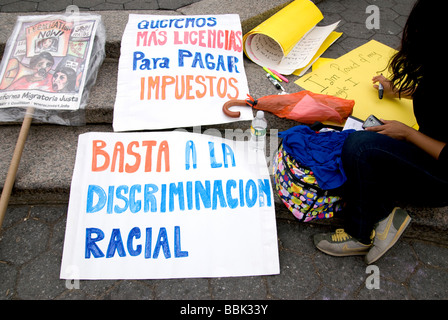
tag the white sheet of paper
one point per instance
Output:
(268, 53)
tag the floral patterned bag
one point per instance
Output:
(298, 189)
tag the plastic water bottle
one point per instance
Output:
(258, 131)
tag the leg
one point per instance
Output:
(381, 170)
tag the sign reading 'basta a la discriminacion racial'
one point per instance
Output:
(158, 205)
(178, 71)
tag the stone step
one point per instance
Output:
(251, 12)
(46, 167)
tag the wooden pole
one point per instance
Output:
(11, 176)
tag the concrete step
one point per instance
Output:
(252, 13)
(46, 167)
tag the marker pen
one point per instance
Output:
(273, 75)
(380, 91)
(274, 82)
(279, 75)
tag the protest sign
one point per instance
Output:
(178, 71)
(46, 61)
(350, 77)
(168, 205)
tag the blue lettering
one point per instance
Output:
(232, 202)
(135, 206)
(228, 152)
(92, 190)
(264, 190)
(150, 199)
(94, 235)
(200, 22)
(197, 59)
(218, 193)
(241, 188)
(110, 199)
(182, 54)
(203, 193)
(143, 24)
(176, 24)
(211, 21)
(178, 253)
(220, 63)
(231, 64)
(162, 242)
(189, 21)
(213, 163)
(251, 189)
(134, 233)
(120, 196)
(210, 65)
(179, 190)
(115, 244)
(163, 200)
(141, 63)
(148, 243)
(138, 55)
(189, 195)
(91, 246)
(190, 149)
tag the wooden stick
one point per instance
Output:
(11, 176)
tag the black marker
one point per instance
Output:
(380, 91)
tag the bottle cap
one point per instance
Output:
(260, 114)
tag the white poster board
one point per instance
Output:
(178, 71)
(168, 205)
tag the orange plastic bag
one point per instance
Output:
(303, 106)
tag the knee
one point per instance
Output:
(356, 143)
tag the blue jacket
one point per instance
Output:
(320, 151)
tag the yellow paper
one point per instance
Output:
(350, 77)
(320, 62)
(284, 26)
(289, 39)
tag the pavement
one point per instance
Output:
(32, 235)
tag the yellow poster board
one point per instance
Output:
(350, 77)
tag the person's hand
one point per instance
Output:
(389, 90)
(393, 129)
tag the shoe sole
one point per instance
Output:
(343, 254)
(400, 231)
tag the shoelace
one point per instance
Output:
(340, 235)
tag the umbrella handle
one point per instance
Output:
(230, 103)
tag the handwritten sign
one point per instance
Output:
(46, 62)
(177, 71)
(350, 77)
(167, 205)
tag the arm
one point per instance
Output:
(400, 131)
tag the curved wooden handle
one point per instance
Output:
(230, 103)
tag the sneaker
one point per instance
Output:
(340, 244)
(387, 233)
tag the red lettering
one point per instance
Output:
(133, 168)
(98, 145)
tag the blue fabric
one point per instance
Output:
(320, 151)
